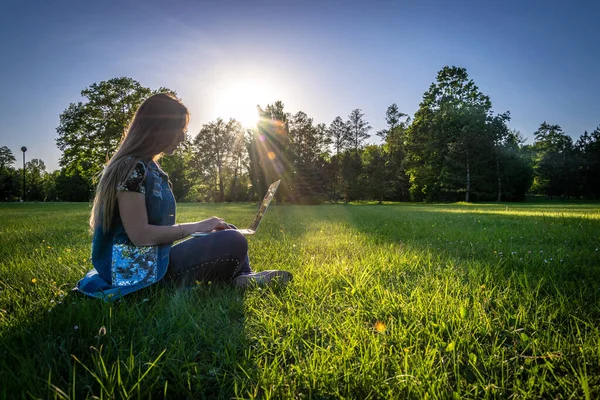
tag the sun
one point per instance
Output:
(239, 100)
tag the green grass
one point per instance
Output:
(388, 301)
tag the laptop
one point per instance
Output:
(259, 215)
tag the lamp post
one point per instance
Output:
(23, 149)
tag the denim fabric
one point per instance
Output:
(219, 257)
(161, 209)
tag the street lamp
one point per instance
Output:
(23, 149)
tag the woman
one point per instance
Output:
(133, 218)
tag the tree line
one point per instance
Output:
(454, 148)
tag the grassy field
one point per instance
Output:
(388, 301)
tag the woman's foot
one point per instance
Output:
(262, 278)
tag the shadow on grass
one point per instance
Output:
(160, 342)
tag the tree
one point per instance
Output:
(215, 147)
(588, 149)
(358, 129)
(6, 157)
(269, 151)
(376, 177)
(308, 152)
(35, 171)
(499, 132)
(338, 133)
(394, 150)
(178, 167)
(517, 169)
(90, 131)
(9, 187)
(554, 161)
(447, 142)
(72, 187)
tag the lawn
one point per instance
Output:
(387, 301)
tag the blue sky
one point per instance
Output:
(538, 59)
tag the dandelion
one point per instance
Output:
(379, 327)
(483, 286)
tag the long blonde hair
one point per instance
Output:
(153, 128)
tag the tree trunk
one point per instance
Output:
(468, 178)
(498, 175)
(221, 189)
(233, 191)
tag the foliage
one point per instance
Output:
(454, 148)
(89, 131)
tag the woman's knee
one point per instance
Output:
(235, 241)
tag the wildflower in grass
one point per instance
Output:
(34, 280)
(102, 331)
(75, 327)
(379, 327)
(513, 253)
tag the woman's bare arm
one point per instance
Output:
(132, 208)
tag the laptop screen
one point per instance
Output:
(264, 205)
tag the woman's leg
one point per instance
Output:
(220, 256)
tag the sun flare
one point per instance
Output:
(239, 100)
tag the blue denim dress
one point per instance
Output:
(120, 267)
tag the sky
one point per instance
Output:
(538, 59)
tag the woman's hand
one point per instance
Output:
(211, 224)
